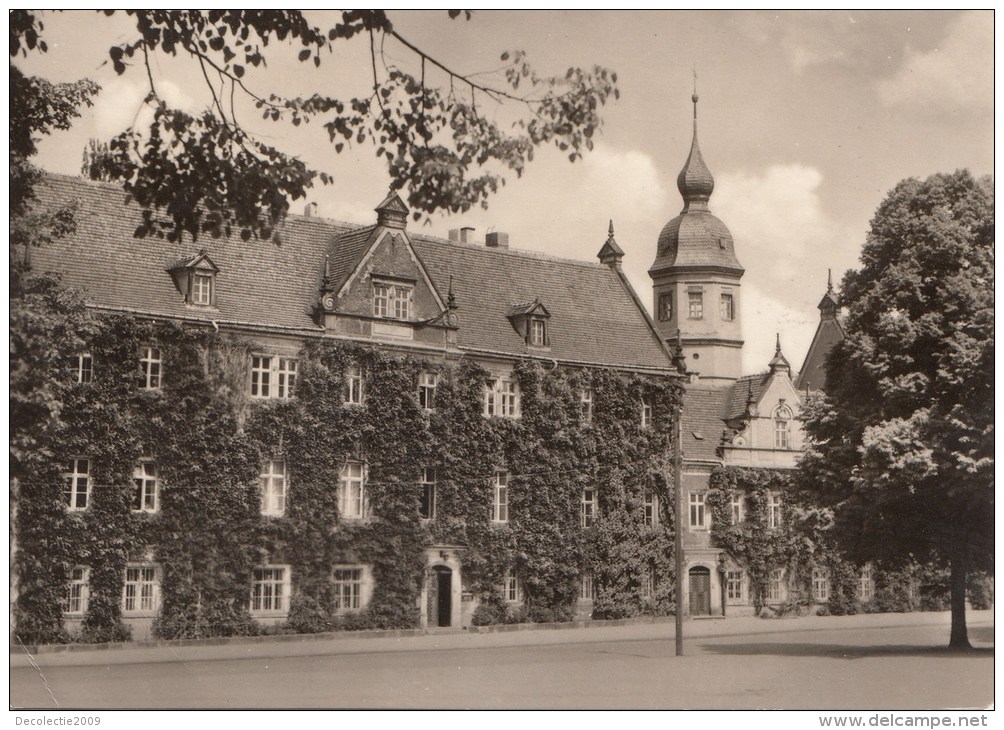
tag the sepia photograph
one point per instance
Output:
(572, 360)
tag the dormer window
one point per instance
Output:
(530, 321)
(196, 280)
(538, 333)
(392, 300)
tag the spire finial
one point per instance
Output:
(777, 351)
(695, 180)
(829, 281)
(610, 232)
(695, 97)
(451, 301)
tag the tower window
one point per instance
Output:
(728, 308)
(695, 301)
(666, 307)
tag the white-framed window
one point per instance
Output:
(352, 491)
(537, 336)
(353, 387)
(511, 587)
(500, 497)
(146, 498)
(774, 510)
(586, 405)
(866, 584)
(646, 414)
(648, 582)
(502, 398)
(735, 581)
(651, 505)
(427, 383)
(736, 508)
(151, 364)
(775, 585)
(782, 428)
(588, 508)
(695, 304)
(202, 289)
(77, 479)
(270, 590)
(820, 584)
(697, 516)
(347, 581)
(392, 300)
(427, 506)
(82, 367)
(273, 487)
(285, 377)
(727, 307)
(141, 591)
(666, 307)
(77, 590)
(261, 376)
(587, 586)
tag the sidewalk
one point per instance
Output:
(348, 643)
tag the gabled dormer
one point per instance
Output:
(531, 322)
(195, 278)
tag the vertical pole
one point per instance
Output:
(678, 537)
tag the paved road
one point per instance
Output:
(867, 662)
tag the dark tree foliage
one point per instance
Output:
(902, 443)
(435, 129)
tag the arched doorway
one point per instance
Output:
(440, 607)
(700, 591)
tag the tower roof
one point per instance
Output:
(695, 238)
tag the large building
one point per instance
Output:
(359, 426)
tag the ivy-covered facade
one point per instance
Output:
(355, 429)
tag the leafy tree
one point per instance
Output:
(433, 126)
(902, 443)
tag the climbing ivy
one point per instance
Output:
(209, 439)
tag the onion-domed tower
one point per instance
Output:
(695, 278)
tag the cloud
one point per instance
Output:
(956, 75)
(121, 101)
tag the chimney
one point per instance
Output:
(497, 239)
(310, 211)
(467, 234)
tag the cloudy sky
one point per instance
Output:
(806, 120)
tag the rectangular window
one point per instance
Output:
(269, 590)
(381, 300)
(648, 583)
(285, 377)
(427, 383)
(273, 487)
(646, 414)
(697, 510)
(500, 498)
(695, 302)
(727, 308)
(665, 307)
(781, 432)
(734, 586)
(78, 484)
(775, 585)
(141, 591)
(392, 300)
(82, 367)
(651, 509)
(501, 398)
(774, 511)
(866, 587)
(820, 584)
(588, 508)
(511, 588)
(261, 376)
(538, 333)
(348, 588)
(736, 508)
(151, 364)
(587, 587)
(353, 387)
(352, 491)
(427, 507)
(75, 601)
(202, 289)
(586, 405)
(146, 497)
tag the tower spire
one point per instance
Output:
(695, 180)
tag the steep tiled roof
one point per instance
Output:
(740, 391)
(593, 319)
(696, 238)
(702, 421)
(813, 373)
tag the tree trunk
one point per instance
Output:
(960, 636)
